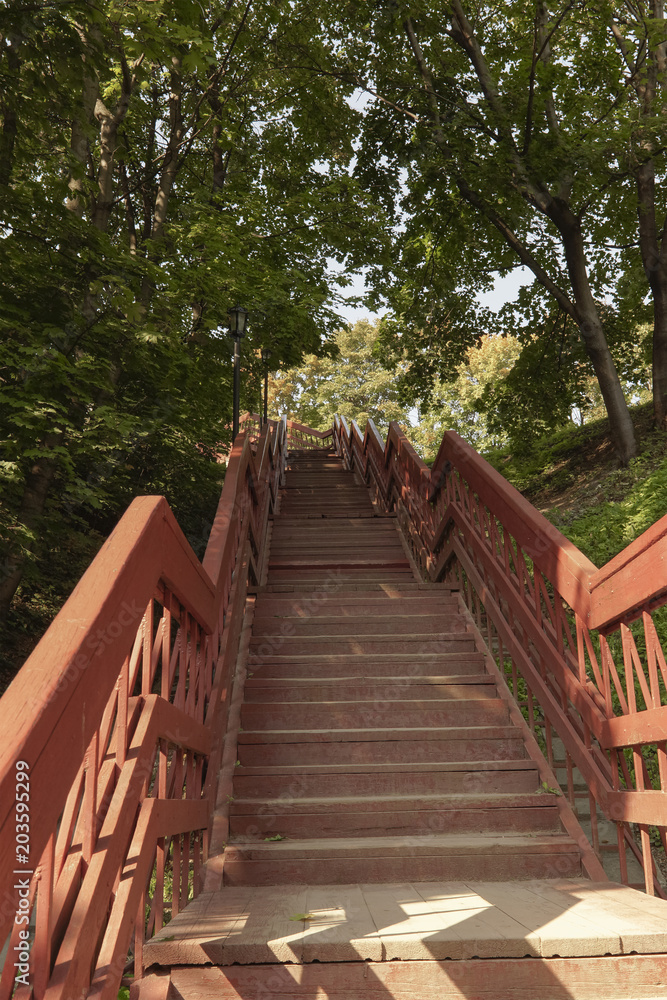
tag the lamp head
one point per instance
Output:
(238, 318)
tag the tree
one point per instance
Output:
(158, 162)
(352, 382)
(639, 33)
(504, 125)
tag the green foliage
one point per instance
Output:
(605, 529)
(460, 404)
(158, 163)
(352, 382)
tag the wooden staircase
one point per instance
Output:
(390, 829)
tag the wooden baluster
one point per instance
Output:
(166, 646)
(89, 803)
(196, 864)
(568, 759)
(121, 717)
(570, 781)
(146, 672)
(605, 657)
(548, 736)
(531, 709)
(647, 859)
(175, 875)
(592, 804)
(183, 638)
(626, 639)
(40, 955)
(652, 663)
(158, 899)
(140, 937)
(581, 649)
(193, 670)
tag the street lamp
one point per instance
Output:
(266, 354)
(238, 317)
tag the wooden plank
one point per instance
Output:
(197, 935)
(639, 920)
(483, 931)
(406, 923)
(410, 733)
(612, 978)
(553, 922)
(341, 927)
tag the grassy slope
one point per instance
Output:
(574, 479)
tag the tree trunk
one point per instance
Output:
(8, 108)
(660, 352)
(593, 335)
(655, 269)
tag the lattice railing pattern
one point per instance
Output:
(579, 645)
(298, 435)
(113, 734)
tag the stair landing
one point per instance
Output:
(412, 921)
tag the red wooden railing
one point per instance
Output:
(112, 735)
(578, 644)
(298, 435)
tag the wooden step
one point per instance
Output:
(394, 815)
(288, 529)
(359, 554)
(260, 690)
(285, 533)
(365, 645)
(321, 577)
(429, 712)
(465, 662)
(371, 624)
(328, 547)
(351, 559)
(302, 606)
(342, 586)
(380, 747)
(426, 858)
(335, 780)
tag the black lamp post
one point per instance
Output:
(266, 354)
(238, 317)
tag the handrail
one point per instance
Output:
(113, 733)
(580, 639)
(298, 435)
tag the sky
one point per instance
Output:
(504, 290)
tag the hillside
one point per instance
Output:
(574, 479)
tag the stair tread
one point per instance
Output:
(419, 680)
(464, 800)
(424, 844)
(407, 733)
(525, 764)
